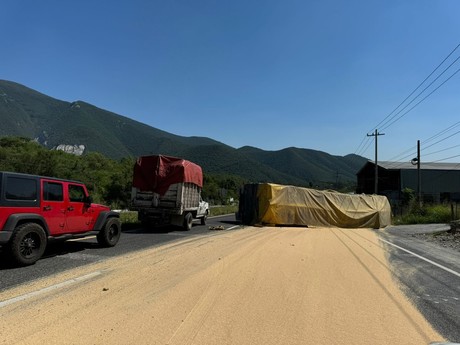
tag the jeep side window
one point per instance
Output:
(19, 188)
(76, 193)
(53, 191)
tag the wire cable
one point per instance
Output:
(441, 140)
(446, 149)
(367, 146)
(425, 141)
(418, 87)
(361, 145)
(424, 98)
(442, 132)
(444, 159)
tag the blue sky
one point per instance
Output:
(270, 74)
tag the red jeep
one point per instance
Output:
(35, 208)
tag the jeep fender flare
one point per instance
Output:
(102, 218)
(20, 218)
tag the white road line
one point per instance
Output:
(233, 227)
(173, 234)
(49, 288)
(221, 215)
(423, 258)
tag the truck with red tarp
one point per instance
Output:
(167, 190)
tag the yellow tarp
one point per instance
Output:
(289, 205)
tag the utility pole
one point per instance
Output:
(376, 182)
(414, 161)
(419, 175)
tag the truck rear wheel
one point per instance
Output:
(27, 244)
(188, 221)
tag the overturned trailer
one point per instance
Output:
(268, 203)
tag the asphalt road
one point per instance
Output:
(64, 255)
(429, 274)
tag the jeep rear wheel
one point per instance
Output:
(28, 243)
(110, 233)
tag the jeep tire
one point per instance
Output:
(109, 235)
(27, 244)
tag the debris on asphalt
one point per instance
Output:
(218, 227)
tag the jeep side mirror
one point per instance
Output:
(88, 200)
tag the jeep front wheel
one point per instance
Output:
(27, 244)
(110, 233)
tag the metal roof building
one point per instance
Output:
(439, 181)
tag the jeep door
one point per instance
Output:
(79, 213)
(53, 205)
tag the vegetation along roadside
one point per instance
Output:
(108, 180)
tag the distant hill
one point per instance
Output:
(308, 165)
(28, 113)
(25, 112)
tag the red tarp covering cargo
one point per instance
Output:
(157, 173)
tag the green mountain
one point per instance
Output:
(315, 167)
(28, 113)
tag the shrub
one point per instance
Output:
(425, 214)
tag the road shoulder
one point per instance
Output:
(430, 278)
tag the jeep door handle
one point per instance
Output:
(47, 208)
(70, 208)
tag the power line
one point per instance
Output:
(441, 140)
(424, 98)
(369, 142)
(444, 159)
(361, 145)
(442, 132)
(393, 117)
(402, 161)
(451, 127)
(446, 149)
(394, 158)
(400, 104)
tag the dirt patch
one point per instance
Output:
(252, 286)
(446, 239)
